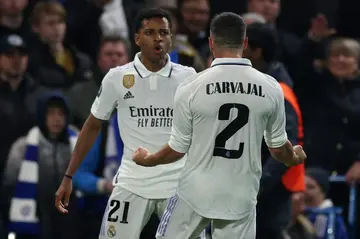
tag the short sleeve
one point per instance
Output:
(181, 132)
(106, 99)
(275, 133)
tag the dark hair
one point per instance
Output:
(115, 38)
(264, 37)
(228, 30)
(149, 13)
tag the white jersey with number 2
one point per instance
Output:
(220, 118)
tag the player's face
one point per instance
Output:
(154, 38)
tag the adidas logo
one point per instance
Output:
(128, 95)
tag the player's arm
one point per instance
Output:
(180, 138)
(276, 139)
(101, 109)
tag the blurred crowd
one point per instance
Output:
(54, 55)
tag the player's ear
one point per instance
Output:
(137, 39)
(245, 43)
(210, 44)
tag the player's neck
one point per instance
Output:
(154, 66)
(228, 54)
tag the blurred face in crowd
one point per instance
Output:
(253, 54)
(55, 120)
(12, 7)
(13, 64)
(154, 38)
(343, 58)
(112, 54)
(51, 29)
(269, 9)
(314, 196)
(196, 15)
(298, 204)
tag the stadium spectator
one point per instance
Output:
(54, 62)
(11, 18)
(290, 46)
(300, 227)
(321, 208)
(89, 21)
(18, 93)
(182, 51)
(34, 169)
(195, 15)
(330, 98)
(113, 51)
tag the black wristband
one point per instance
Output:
(68, 176)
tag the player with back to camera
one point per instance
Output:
(142, 91)
(220, 118)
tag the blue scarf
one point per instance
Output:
(23, 208)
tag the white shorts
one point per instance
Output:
(181, 222)
(126, 214)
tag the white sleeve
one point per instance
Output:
(275, 133)
(181, 132)
(106, 100)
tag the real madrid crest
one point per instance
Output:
(128, 81)
(111, 232)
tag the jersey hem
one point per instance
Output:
(162, 195)
(220, 216)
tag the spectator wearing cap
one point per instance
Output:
(12, 19)
(18, 93)
(317, 188)
(53, 62)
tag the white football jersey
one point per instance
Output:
(220, 116)
(144, 102)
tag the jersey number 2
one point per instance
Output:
(240, 121)
(115, 204)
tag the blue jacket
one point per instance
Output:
(85, 179)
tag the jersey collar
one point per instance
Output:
(143, 72)
(231, 61)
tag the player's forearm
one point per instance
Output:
(165, 155)
(285, 154)
(84, 143)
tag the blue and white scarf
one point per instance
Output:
(23, 208)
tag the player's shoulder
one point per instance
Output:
(179, 69)
(191, 82)
(120, 71)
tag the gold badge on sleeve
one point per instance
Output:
(128, 81)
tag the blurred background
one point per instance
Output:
(54, 54)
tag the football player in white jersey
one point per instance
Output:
(220, 118)
(142, 91)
